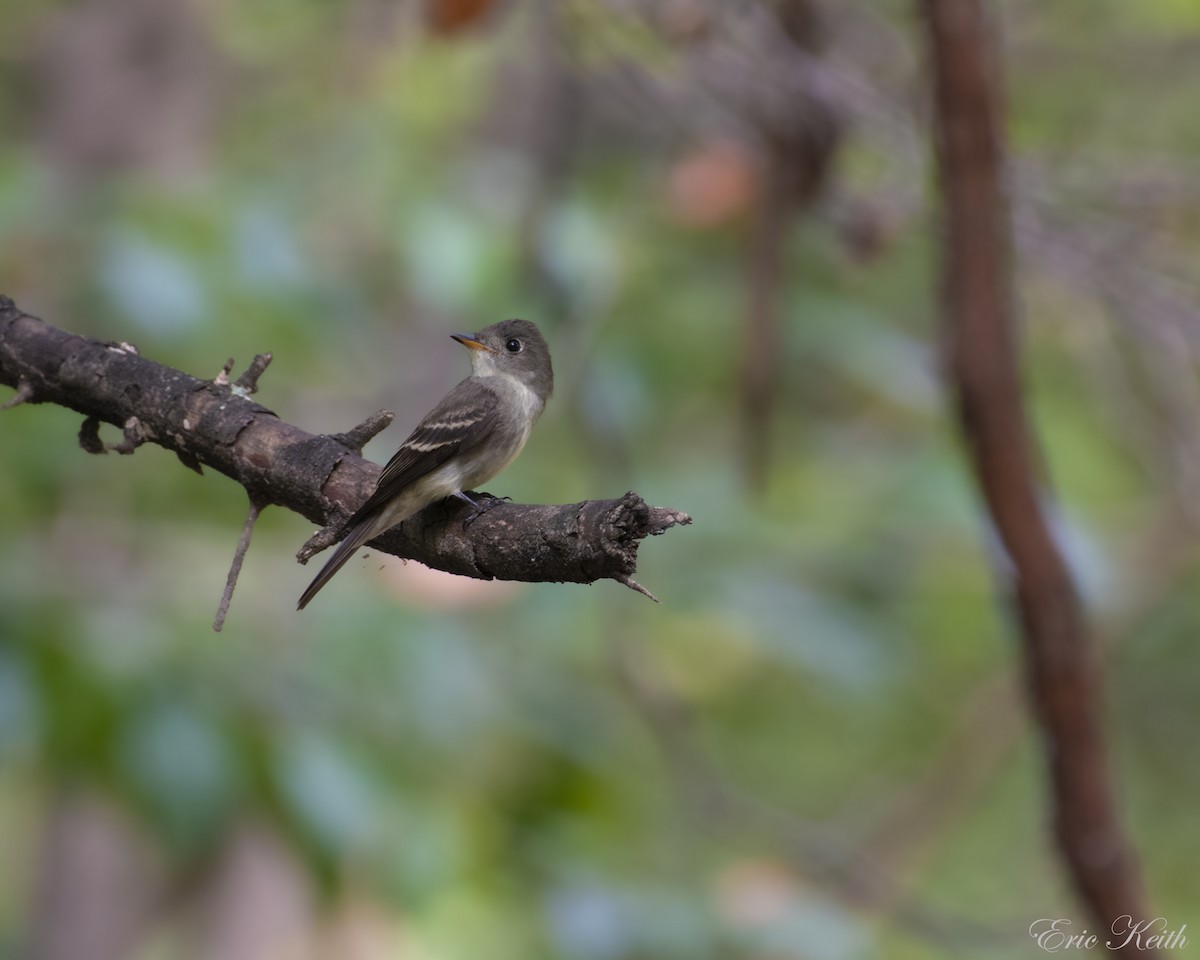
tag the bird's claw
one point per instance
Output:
(488, 501)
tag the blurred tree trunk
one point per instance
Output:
(797, 148)
(1062, 668)
(256, 902)
(129, 85)
(98, 885)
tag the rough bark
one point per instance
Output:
(213, 423)
(1062, 668)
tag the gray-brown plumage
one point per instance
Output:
(476, 431)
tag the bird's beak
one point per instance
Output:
(470, 340)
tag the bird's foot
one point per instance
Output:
(487, 502)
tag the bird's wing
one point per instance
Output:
(465, 416)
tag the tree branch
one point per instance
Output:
(1061, 664)
(213, 423)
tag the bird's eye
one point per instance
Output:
(513, 345)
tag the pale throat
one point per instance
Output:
(528, 401)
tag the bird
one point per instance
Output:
(476, 431)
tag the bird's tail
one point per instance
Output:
(358, 535)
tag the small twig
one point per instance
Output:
(634, 585)
(189, 461)
(325, 537)
(135, 434)
(222, 378)
(358, 437)
(247, 383)
(235, 568)
(89, 436)
(24, 392)
(667, 517)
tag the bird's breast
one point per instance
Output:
(522, 408)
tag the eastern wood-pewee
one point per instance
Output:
(475, 432)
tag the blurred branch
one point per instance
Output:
(213, 423)
(1107, 259)
(989, 726)
(798, 138)
(855, 874)
(757, 76)
(1061, 663)
(932, 803)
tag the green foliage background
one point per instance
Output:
(559, 771)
